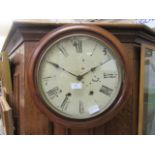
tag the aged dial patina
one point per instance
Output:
(79, 76)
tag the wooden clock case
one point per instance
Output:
(70, 30)
(23, 40)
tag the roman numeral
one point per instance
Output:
(81, 107)
(64, 104)
(109, 75)
(78, 45)
(53, 92)
(106, 90)
(105, 50)
(49, 77)
(46, 79)
(62, 49)
(93, 50)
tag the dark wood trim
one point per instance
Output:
(29, 31)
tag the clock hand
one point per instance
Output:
(93, 69)
(93, 50)
(57, 66)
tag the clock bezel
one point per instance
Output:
(118, 64)
(100, 33)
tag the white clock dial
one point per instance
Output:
(79, 76)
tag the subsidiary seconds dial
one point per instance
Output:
(79, 76)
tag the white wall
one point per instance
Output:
(4, 29)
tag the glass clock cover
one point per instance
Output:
(79, 76)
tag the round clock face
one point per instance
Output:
(79, 76)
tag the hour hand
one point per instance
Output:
(57, 66)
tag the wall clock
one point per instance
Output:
(79, 74)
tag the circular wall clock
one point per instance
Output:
(79, 74)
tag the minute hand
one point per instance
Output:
(94, 68)
(57, 66)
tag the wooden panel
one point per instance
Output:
(121, 124)
(40, 123)
(29, 120)
(59, 129)
(134, 54)
(15, 105)
(81, 131)
(99, 130)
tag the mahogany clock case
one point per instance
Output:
(72, 30)
(31, 116)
